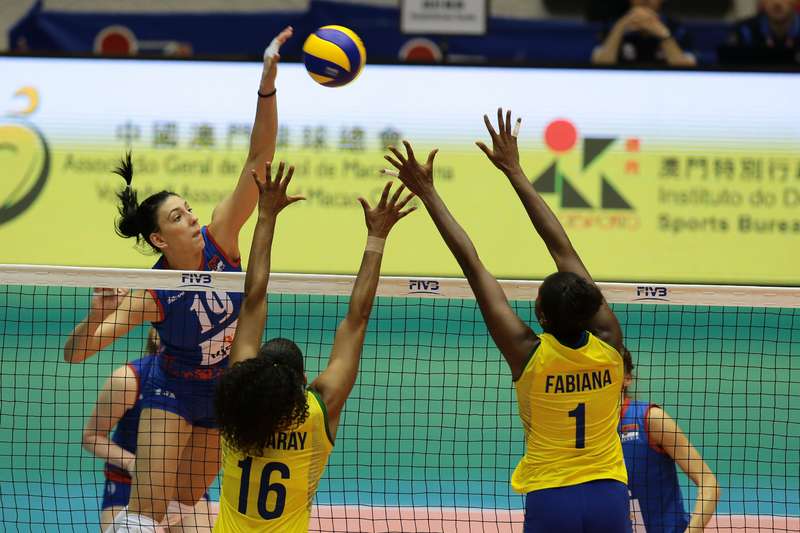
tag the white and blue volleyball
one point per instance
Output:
(334, 55)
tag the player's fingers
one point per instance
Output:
(259, 183)
(489, 126)
(508, 122)
(500, 126)
(397, 194)
(385, 194)
(364, 204)
(394, 163)
(517, 126)
(288, 178)
(432, 156)
(406, 212)
(485, 149)
(405, 200)
(397, 154)
(271, 52)
(268, 173)
(293, 199)
(389, 172)
(279, 175)
(409, 150)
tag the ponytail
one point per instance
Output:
(127, 225)
(136, 221)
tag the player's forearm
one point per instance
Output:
(264, 136)
(505, 328)
(543, 219)
(103, 448)
(705, 504)
(366, 285)
(260, 259)
(82, 342)
(454, 236)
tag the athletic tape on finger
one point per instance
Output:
(516, 128)
(272, 49)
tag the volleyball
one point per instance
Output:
(334, 56)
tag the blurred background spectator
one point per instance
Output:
(770, 37)
(645, 35)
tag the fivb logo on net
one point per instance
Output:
(658, 293)
(423, 286)
(196, 279)
(561, 137)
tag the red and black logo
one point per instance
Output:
(561, 136)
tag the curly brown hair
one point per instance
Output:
(261, 396)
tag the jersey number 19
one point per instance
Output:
(215, 304)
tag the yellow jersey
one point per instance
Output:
(274, 491)
(569, 401)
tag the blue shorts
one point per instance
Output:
(600, 506)
(191, 399)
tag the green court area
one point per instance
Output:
(432, 421)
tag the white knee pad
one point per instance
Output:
(126, 522)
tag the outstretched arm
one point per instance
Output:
(233, 211)
(117, 396)
(336, 381)
(505, 156)
(665, 433)
(513, 337)
(113, 313)
(253, 315)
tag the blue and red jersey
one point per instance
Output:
(197, 327)
(652, 476)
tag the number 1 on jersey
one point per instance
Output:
(579, 413)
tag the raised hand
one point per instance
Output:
(385, 215)
(504, 153)
(271, 58)
(417, 177)
(272, 197)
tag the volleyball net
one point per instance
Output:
(430, 434)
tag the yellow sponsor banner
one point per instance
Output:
(649, 188)
(635, 212)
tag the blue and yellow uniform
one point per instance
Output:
(652, 476)
(274, 491)
(196, 330)
(569, 400)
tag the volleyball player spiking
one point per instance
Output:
(178, 447)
